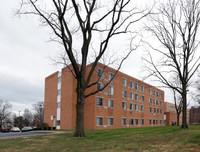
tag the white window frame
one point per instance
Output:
(109, 101)
(136, 107)
(130, 122)
(142, 88)
(101, 86)
(111, 75)
(132, 85)
(102, 73)
(141, 122)
(124, 105)
(110, 90)
(109, 121)
(142, 108)
(98, 101)
(131, 106)
(150, 91)
(150, 109)
(142, 98)
(136, 86)
(99, 117)
(137, 96)
(131, 95)
(123, 121)
(135, 122)
(124, 81)
(124, 93)
(150, 100)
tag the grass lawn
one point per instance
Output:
(116, 140)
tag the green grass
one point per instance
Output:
(130, 139)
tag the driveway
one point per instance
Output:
(5, 135)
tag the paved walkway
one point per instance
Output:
(6, 135)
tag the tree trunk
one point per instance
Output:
(79, 132)
(178, 114)
(184, 117)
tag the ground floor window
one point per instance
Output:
(131, 122)
(142, 121)
(160, 121)
(149, 121)
(99, 121)
(123, 121)
(136, 121)
(110, 121)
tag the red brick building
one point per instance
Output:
(195, 115)
(170, 114)
(126, 102)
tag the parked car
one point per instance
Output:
(27, 128)
(15, 129)
(5, 129)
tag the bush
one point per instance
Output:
(54, 128)
(49, 128)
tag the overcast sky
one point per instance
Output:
(24, 59)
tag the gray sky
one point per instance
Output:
(24, 59)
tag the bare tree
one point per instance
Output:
(85, 29)
(28, 117)
(175, 25)
(178, 105)
(39, 112)
(5, 112)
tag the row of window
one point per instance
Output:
(155, 93)
(155, 110)
(133, 85)
(99, 121)
(155, 102)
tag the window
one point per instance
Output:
(157, 94)
(58, 92)
(157, 102)
(132, 84)
(123, 121)
(154, 93)
(131, 95)
(136, 86)
(58, 105)
(58, 122)
(111, 90)
(136, 107)
(154, 121)
(142, 121)
(157, 121)
(124, 81)
(123, 105)
(150, 91)
(154, 110)
(100, 86)
(124, 93)
(111, 76)
(59, 79)
(161, 122)
(150, 109)
(100, 73)
(160, 103)
(99, 121)
(131, 106)
(157, 110)
(110, 103)
(142, 108)
(149, 121)
(142, 98)
(131, 122)
(160, 110)
(110, 121)
(150, 100)
(161, 95)
(136, 121)
(99, 101)
(142, 88)
(136, 97)
(154, 101)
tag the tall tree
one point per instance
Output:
(5, 112)
(39, 112)
(175, 25)
(85, 29)
(28, 117)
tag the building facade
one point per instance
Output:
(195, 115)
(170, 115)
(126, 102)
